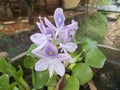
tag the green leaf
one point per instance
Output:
(6, 67)
(29, 62)
(95, 58)
(72, 83)
(13, 86)
(29, 51)
(4, 82)
(19, 78)
(41, 79)
(17, 75)
(88, 44)
(52, 81)
(83, 72)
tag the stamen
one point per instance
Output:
(50, 53)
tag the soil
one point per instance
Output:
(112, 37)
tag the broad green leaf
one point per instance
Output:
(4, 82)
(88, 44)
(6, 67)
(95, 58)
(29, 62)
(52, 81)
(41, 79)
(72, 83)
(83, 72)
(29, 51)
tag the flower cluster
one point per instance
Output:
(54, 43)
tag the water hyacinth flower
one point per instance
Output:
(51, 60)
(60, 29)
(44, 37)
(54, 43)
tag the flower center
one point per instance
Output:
(50, 53)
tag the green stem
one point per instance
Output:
(50, 88)
(33, 77)
(23, 83)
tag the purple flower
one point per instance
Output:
(40, 39)
(51, 60)
(60, 29)
(46, 35)
(50, 40)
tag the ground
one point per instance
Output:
(112, 37)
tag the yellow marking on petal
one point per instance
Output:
(50, 53)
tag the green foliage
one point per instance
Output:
(29, 62)
(93, 56)
(41, 79)
(88, 45)
(94, 26)
(52, 81)
(6, 68)
(9, 69)
(83, 72)
(4, 82)
(29, 51)
(86, 57)
(69, 85)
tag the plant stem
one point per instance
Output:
(33, 77)
(23, 83)
(50, 88)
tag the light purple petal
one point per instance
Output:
(41, 26)
(51, 68)
(49, 24)
(75, 24)
(62, 56)
(72, 26)
(59, 17)
(39, 52)
(38, 38)
(69, 46)
(65, 56)
(63, 35)
(59, 68)
(41, 65)
(51, 32)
